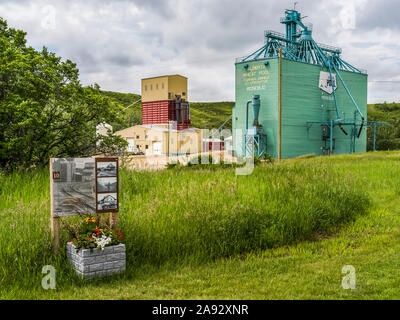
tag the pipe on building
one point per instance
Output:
(352, 99)
(247, 115)
(280, 107)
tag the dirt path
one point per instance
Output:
(160, 162)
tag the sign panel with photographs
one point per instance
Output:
(107, 185)
(73, 186)
(84, 186)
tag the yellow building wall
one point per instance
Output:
(143, 137)
(181, 142)
(164, 88)
(177, 85)
(155, 89)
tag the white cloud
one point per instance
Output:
(116, 43)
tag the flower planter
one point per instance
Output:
(90, 263)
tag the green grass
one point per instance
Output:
(284, 232)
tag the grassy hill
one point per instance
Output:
(132, 114)
(209, 115)
(204, 115)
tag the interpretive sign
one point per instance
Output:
(74, 189)
(81, 186)
(84, 186)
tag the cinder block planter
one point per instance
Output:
(96, 262)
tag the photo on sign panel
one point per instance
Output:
(107, 201)
(106, 168)
(107, 184)
(73, 186)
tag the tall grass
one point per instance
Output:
(198, 216)
(25, 244)
(182, 216)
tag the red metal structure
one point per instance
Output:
(213, 145)
(161, 112)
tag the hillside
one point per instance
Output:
(204, 115)
(210, 115)
(132, 115)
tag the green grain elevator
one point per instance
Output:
(296, 97)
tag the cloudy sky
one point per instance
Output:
(116, 43)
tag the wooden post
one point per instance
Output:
(113, 219)
(114, 215)
(54, 221)
(280, 107)
(55, 232)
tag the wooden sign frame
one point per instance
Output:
(55, 220)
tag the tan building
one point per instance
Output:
(164, 88)
(159, 140)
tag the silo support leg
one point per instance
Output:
(374, 137)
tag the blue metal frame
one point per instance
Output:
(354, 132)
(260, 143)
(220, 129)
(299, 46)
(257, 138)
(225, 122)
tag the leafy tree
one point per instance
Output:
(44, 110)
(387, 137)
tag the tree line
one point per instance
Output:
(387, 136)
(44, 109)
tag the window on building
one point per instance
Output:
(183, 94)
(145, 87)
(137, 146)
(137, 137)
(157, 86)
(147, 146)
(146, 136)
(151, 87)
(162, 85)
